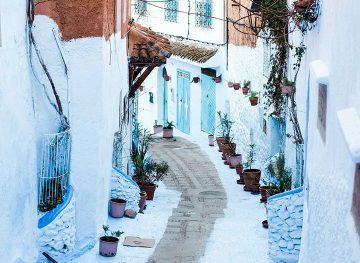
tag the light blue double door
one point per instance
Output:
(183, 101)
(208, 104)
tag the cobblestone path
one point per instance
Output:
(203, 199)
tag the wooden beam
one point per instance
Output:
(140, 80)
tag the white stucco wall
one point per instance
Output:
(18, 220)
(329, 233)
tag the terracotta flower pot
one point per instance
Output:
(117, 207)
(217, 79)
(239, 171)
(149, 189)
(287, 90)
(264, 193)
(211, 139)
(196, 79)
(142, 201)
(220, 141)
(245, 90)
(236, 86)
(168, 133)
(254, 101)
(227, 162)
(158, 129)
(227, 149)
(230, 84)
(166, 77)
(108, 246)
(251, 176)
(235, 160)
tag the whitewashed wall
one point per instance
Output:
(18, 221)
(329, 233)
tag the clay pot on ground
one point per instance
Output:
(265, 224)
(251, 176)
(264, 193)
(230, 84)
(255, 188)
(235, 160)
(196, 79)
(236, 86)
(142, 201)
(245, 90)
(241, 180)
(254, 101)
(117, 207)
(227, 149)
(149, 189)
(158, 129)
(168, 133)
(220, 141)
(239, 170)
(211, 139)
(287, 90)
(108, 246)
(227, 162)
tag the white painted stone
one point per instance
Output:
(124, 189)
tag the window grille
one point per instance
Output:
(140, 7)
(118, 150)
(171, 10)
(55, 170)
(203, 13)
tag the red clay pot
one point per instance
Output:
(251, 176)
(227, 149)
(254, 101)
(168, 133)
(245, 90)
(241, 180)
(264, 193)
(142, 201)
(149, 189)
(220, 141)
(196, 79)
(255, 188)
(217, 79)
(236, 86)
(239, 171)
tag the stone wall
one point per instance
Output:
(60, 235)
(124, 187)
(285, 217)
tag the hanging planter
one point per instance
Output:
(167, 78)
(230, 84)
(217, 79)
(141, 88)
(246, 87)
(236, 86)
(253, 98)
(196, 79)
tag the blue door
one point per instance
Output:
(183, 101)
(208, 104)
(165, 102)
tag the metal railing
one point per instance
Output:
(55, 170)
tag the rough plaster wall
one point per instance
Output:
(122, 188)
(285, 217)
(60, 235)
(18, 222)
(329, 233)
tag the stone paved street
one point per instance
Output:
(203, 200)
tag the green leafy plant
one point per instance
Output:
(287, 82)
(281, 175)
(109, 233)
(253, 94)
(169, 125)
(250, 158)
(246, 83)
(225, 126)
(240, 166)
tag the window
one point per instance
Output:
(322, 106)
(171, 10)
(203, 13)
(140, 7)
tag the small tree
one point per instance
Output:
(280, 180)
(250, 158)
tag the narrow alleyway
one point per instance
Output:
(203, 200)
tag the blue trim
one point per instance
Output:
(292, 192)
(127, 177)
(51, 215)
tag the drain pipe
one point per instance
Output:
(188, 33)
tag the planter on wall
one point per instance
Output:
(251, 176)
(149, 189)
(196, 79)
(236, 86)
(108, 246)
(245, 90)
(217, 79)
(158, 129)
(230, 84)
(168, 133)
(254, 101)
(166, 77)
(117, 207)
(211, 139)
(220, 141)
(287, 90)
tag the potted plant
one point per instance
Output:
(264, 189)
(166, 77)
(108, 243)
(253, 98)
(230, 84)
(287, 87)
(246, 87)
(211, 139)
(228, 146)
(236, 86)
(235, 159)
(281, 175)
(220, 139)
(117, 207)
(240, 170)
(142, 201)
(157, 128)
(302, 5)
(217, 79)
(196, 79)
(251, 176)
(168, 130)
